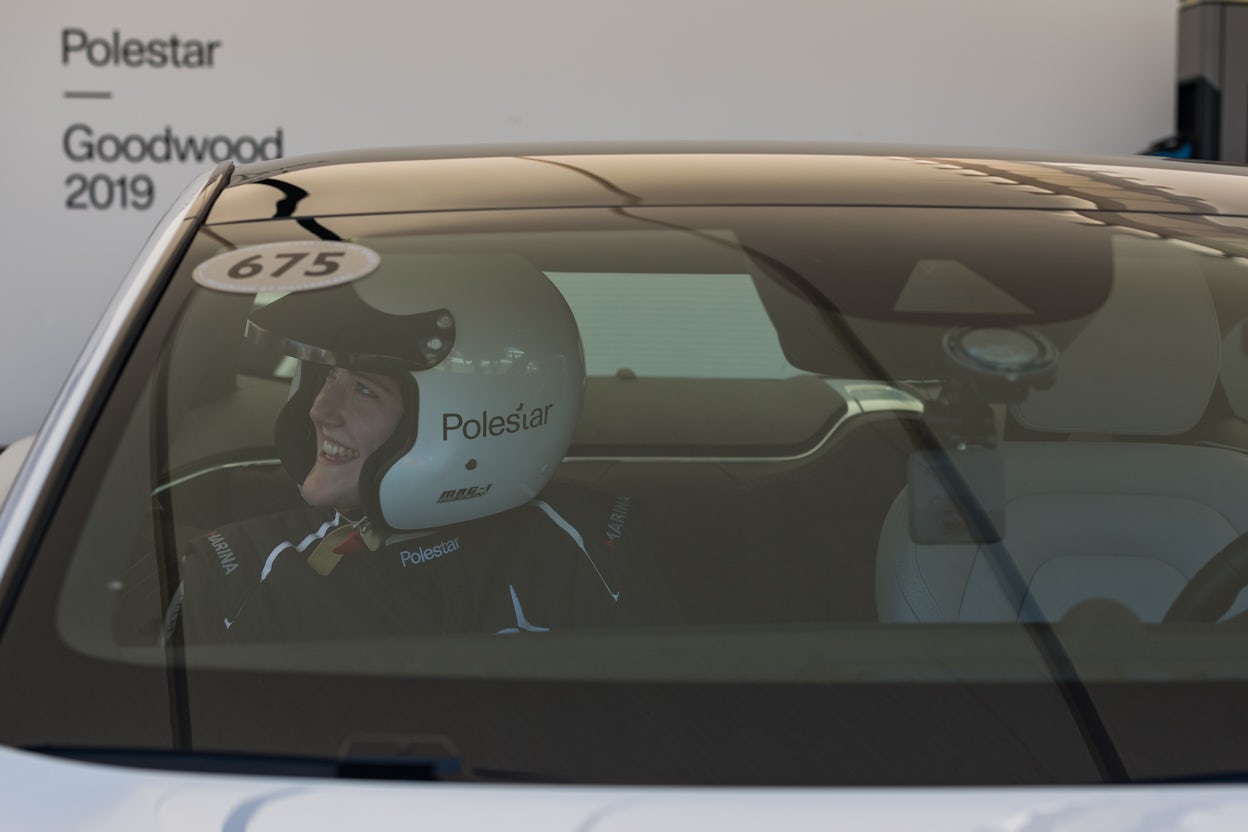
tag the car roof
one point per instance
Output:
(614, 176)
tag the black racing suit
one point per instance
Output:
(567, 559)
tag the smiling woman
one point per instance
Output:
(394, 477)
(353, 415)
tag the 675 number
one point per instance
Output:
(286, 266)
(279, 263)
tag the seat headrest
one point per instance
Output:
(1147, 361)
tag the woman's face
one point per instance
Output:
(353, 414)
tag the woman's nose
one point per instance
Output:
(327, 406)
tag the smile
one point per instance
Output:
(337, 453)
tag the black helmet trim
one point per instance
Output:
(390, 452)
(344, 331)
(311, 354)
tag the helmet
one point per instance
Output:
(489, 363)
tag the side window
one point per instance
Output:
(674, 325)
(688, 365)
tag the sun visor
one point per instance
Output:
(924, 268)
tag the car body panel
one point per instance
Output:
(87, 381)
(11, 460)
(47, 793)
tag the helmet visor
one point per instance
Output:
(336, 327)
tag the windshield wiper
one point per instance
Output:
(433, 766)
(1209, 779)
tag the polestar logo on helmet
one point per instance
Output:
(424, 554)
(454, 494)
(494, 424)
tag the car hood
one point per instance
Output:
(41, 792)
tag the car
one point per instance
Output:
(661, 486)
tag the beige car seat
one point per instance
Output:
(1088, 517)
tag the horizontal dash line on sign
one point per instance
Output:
(87, 94)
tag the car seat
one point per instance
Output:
(1107, 505)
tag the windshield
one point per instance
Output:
(938, 481)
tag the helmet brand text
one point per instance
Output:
(493, 424)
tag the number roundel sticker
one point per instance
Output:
(293, 266)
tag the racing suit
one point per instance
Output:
(570, 558)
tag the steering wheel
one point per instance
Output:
(1214, 587)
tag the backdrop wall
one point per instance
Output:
(111, 108)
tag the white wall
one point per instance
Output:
(1091, 75)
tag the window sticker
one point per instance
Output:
(295, 266)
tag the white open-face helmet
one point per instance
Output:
(489, 362)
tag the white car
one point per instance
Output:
(609, 488)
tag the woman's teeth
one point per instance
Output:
(336, 452)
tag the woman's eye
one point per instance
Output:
(365, 390)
